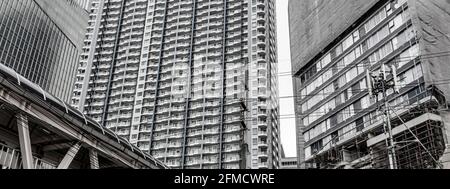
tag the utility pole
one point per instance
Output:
(380, 84)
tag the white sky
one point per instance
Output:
(285, 82)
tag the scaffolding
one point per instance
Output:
(409, 153)
(418, 147)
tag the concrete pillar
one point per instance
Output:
(25, 141)
(93, 158)
(70, 155)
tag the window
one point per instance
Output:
(318, 66)
(399, 3)
(306, 136)
(308, 152)
(339, 50)
(326, 60)
(316, 147)
(356, 36)
(377, 37)
(396, 23)
(342, 81)
(328, 90)
(306, 121)
(358, 51)
(365, 102)
(327, 75)
(349, 58)
(349, 130)
(340, 117)
(374, 21)
(347, 43)
(351, 74)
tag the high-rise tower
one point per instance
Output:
(192, 82)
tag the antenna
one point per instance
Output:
(376, 86)
(383, 70)
(369, 82)
(395, 78)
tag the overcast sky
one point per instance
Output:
(285, 82)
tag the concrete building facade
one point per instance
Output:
(333, 44)
(191, 82)
(41, 40)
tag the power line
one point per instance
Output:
(335, 139)
(411, 85)
(321, 113)
(381, 82)
(368, 63)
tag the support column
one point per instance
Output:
(25, 142)
(70, 155)
(93, 159)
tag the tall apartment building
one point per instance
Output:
(192, 82)
(339, 125)
(42, 40)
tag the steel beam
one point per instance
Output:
(25, 141)
(59, 125)
(54, 147)
(70, 155)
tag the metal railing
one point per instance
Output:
(11, 158)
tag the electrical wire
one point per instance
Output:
(368, 63)
(313, 156)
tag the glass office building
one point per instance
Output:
(192, 82)
(339, 124)
(35, 46)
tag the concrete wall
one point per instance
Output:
(72, 20)
(314, 24)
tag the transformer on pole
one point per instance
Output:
(379, 84)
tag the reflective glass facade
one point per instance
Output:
(34, 46)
